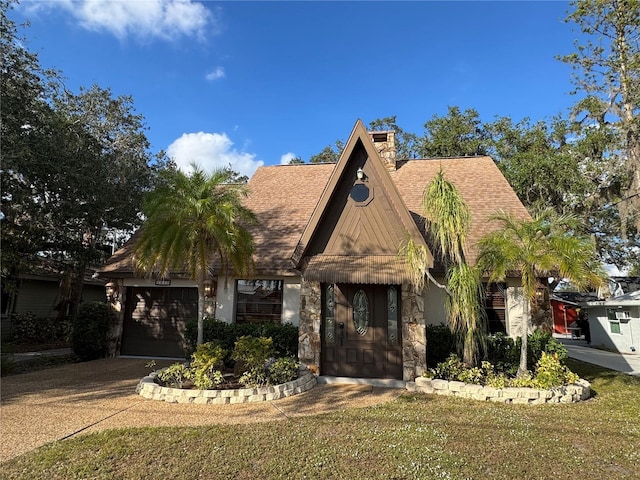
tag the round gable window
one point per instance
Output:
(359, 192)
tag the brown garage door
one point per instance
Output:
(155, 319)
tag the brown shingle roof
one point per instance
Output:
(283, 198)
(479, 181)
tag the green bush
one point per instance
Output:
(440, 343)
(550, 372)
(282, 370)
(89, 340)
(503, 353)
(174, 375)
(285, 336)
(253, 352)
(272, 372)
(205, 366)
(30, 328)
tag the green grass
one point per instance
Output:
(417, 436)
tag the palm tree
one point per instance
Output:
(447, 220)
(542, 247)
(192, 220)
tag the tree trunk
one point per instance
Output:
(75, 295)
(524, 336)
(200, 312)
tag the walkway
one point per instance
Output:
(57, 403)
(580, 350)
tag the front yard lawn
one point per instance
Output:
(417, 436)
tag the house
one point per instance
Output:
(615, 323)
(38, 292)
(565, 307)
(327, 261)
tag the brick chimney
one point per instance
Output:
(385, 143)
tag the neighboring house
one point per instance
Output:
(327, 261)
(565, 307)
(38, 292)
(615, 323)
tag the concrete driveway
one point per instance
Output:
(41, 407)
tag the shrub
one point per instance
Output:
(205, 365)
(253, 352)
(174, 375)
(284, 337)
(550, 372)
(282, 370)
(272, 372)
(440, 343)
(89, 340)
(30, 328)
(503, 353)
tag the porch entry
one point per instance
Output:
(361, 331)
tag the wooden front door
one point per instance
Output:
(361, 331)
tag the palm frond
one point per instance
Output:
(447, 218)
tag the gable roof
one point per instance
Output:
(340, 231)
(287, 202)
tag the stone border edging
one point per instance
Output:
(576, 392)
(149, 389)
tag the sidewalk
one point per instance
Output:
(30, 356)
(580, 350)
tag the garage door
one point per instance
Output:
(155, 319)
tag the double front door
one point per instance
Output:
(361, 331)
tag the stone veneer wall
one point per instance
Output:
(414, 336)
(149, 389)
(512, 395)
(309, 326)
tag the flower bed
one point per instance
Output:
(575, 392)
(150, 389)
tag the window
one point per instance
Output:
(495, 306)
(259, 301)
(614, 321)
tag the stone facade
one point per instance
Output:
(309, 326)
(566, 394)
(385, 143)
(414, 337)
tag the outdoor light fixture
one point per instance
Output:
(208, 288)
(360, 173)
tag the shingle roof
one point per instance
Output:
(283, 198)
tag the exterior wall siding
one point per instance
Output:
(622, 342)
(40, 297)
(291, 301)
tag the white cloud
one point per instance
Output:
(216, 74)
(211, 151)
(287, 157)
(164, 19)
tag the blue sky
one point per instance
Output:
(252, 83)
